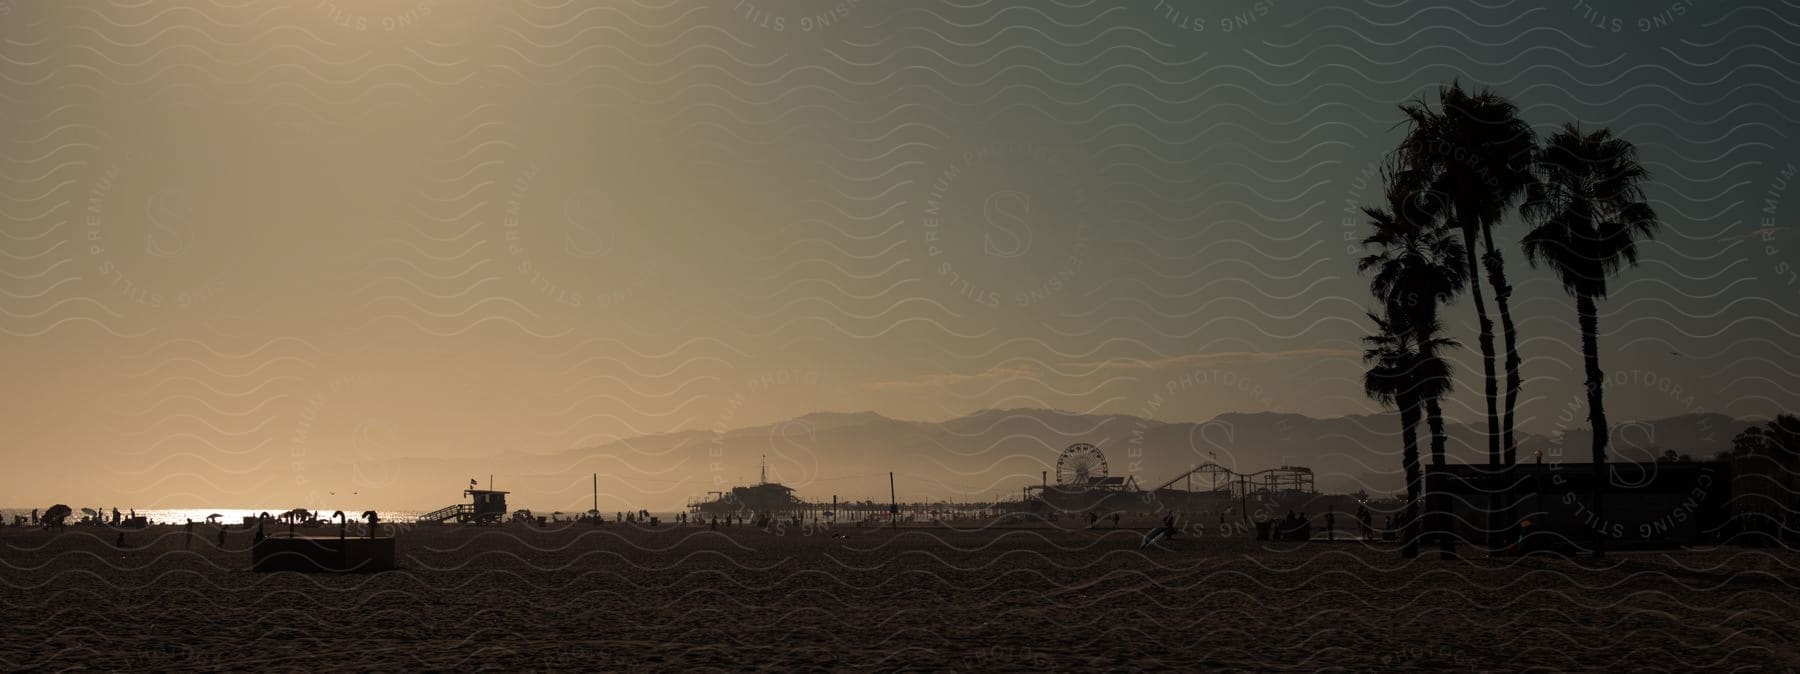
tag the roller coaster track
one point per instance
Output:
(1285, 475)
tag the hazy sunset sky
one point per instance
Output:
(250, 238)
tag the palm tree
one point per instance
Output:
(1391, 357)
(1588, 214)
(1408, 374)
(1416, 267)
(1475, 153)
(1432, 377)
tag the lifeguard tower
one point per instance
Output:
(485, 506)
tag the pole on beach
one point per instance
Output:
(596, 495)
(893, 503)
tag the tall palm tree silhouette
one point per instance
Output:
(1391, 357)
(1474, 153)
(1416, 267)
(1587, 215)
(1408, 374)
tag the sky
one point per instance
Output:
(255, 237)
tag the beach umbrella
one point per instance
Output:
(55, 515)
(213, 518)
(90, 512)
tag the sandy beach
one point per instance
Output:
(924, 598)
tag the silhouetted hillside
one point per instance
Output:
(995, 452)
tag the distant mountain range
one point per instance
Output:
(996, 452)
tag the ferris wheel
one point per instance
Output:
(1079, 464)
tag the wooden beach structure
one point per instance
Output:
(1648, 505)
(778, 501)
(1213, 488)
(1765, 497)
(1082, 486)
(733, 503)
(485, 506)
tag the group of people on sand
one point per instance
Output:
(643, 517)
(1299, 527)
(639, 517)
(57, 518)
(1094, 520)
(1365, 527)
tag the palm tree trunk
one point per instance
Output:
(1490, 383)
(1409, 460)
(1496, 269)
(1434, 417)
(1409, 448)
(1596, 380)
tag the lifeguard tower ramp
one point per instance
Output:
(485, 506)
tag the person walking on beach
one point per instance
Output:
(115, 517)
(34, 519)
(221, 537)
(1115, 520)
(188, 542)
(1167, 530)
